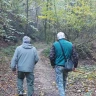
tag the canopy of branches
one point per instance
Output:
(42, 19)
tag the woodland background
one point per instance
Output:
(41, 20)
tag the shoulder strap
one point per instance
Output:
(62, 51)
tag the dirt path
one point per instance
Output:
(45, 81)
(45, 85)
(45, 78)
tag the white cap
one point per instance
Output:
(60, 35)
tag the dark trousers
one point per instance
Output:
(30, 82)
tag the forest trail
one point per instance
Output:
(44, 84)
(44, 78)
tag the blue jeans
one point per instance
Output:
(61, 76)
(30, 81)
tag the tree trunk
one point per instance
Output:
(27, 19)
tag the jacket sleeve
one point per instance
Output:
(14, 60)
(74, 56)
(52, 56)
(36, 56)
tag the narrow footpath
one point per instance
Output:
(44, 78)
(44, 83)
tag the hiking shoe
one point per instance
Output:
(20, 94)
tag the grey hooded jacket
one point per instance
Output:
(25, 57)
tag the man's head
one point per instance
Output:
(26, 39)
(60, 35)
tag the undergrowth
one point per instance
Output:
(84, 79)
(5, 58)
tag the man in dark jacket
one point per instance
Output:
(24, 60)
(57, 60)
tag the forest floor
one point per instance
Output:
(80, 83)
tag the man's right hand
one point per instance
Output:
(74, 69)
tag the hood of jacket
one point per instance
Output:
(27, 45)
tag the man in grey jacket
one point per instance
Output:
(24, 60)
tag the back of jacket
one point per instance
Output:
(67, 47)
(25, 57)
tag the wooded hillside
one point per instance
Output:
(42, 19)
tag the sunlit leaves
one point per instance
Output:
(74, 14)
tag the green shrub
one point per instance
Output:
(8, 51)
(46, 52)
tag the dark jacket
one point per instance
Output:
(56, 55)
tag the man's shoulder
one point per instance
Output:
(56, 42)
(63, 41)
(18, 47)
(68, 42)
(34, 48)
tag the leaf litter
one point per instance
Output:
(80, 83)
